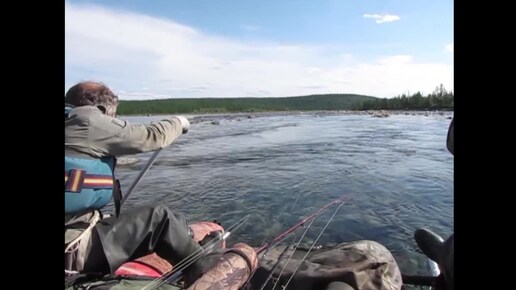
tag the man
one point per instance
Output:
(94, 137)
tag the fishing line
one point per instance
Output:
(311, 247)
(288, 260)
(177, 270)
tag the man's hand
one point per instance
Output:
(184, 123)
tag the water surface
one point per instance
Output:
(279, 168)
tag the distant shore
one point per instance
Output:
(197, 118)
(349, 103)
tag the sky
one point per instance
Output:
(263, 48)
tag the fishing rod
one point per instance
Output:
(270, 272)
(174, 275)
(143, 171)
(308, 252)
(140, 175)
(267, 246)
(299, 224)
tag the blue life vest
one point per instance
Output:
(89, 183)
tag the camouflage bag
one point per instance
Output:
(364, 265)
(121, 283)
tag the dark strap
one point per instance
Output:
(244, 256)
(117, 196)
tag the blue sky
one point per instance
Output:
(226, 48)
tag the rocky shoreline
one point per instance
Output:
(214, 118)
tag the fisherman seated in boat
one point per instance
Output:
(94, 137)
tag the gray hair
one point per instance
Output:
(92, 94)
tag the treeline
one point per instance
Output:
(439, 99)
(229, 105)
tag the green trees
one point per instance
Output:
(439, 99)
(227, 105)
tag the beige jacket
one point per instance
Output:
(88, 131)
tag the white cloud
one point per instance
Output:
(382, 18)
(144, 57)
(395, 60)
(449, 48)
